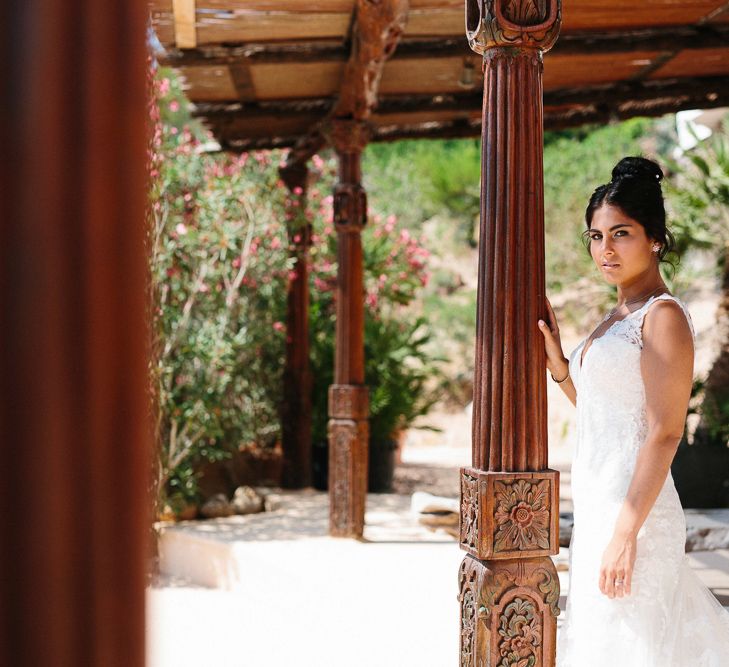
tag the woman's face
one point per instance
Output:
(619, 246)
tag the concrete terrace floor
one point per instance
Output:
(273, 589)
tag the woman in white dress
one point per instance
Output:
(633, 599)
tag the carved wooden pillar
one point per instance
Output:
(508, 585)
(348, 428)
(296, 409)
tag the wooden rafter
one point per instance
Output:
(563, 108)
(632, 41)
(617, 93)
(185, 30)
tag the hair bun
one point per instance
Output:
(637, 167)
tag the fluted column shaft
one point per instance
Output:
(510, 411)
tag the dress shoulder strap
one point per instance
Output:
(643, 310)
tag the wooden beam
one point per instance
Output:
(579, 43)
(185, 30)
(602, 94)
(554, 119)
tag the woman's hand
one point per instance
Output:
(556, 362)
(616, 570)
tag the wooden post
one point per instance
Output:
(75, 428)
(296, 409)
(348, 428)
(508, 585)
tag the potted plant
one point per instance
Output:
(397, 367)
(701, 467)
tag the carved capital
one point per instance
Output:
(348, 136)
(509, 515)
(349, 207)
(508, 612)
(518, 23)
(348, 459)
(348, 401)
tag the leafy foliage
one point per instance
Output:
(220, 240)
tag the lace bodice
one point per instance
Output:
(639, 630)
(611, 411)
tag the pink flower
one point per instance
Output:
(181, 229)
(279, 326)
(292, 275)
(275, 243)
(298, 190)
(236, 262)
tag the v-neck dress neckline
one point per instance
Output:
(584, 350)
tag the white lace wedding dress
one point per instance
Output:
(670, 619)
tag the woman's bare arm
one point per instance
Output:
(557, 365)
(667, 370)
(567, 386)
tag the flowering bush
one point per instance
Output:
(218, 278)
(220, 260)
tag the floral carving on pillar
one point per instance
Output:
(468, 627)
(549, 587)
(521, 519)
(520, 634)
(469, 510)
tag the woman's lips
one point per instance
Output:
(610, 266)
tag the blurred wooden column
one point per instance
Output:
(296, 409)
(75, 432)
(348, 428)
(509, 589)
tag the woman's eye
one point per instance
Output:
(595, 237)
(620, 231)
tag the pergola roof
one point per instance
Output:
(264, 73)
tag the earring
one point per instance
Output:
(656, 248)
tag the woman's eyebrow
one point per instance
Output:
(620, 224)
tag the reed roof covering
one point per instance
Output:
(265, 73)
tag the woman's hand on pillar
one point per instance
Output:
(556, 362)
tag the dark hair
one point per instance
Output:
(635, 189)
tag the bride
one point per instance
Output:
(633, 599)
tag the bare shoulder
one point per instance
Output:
(665, 327)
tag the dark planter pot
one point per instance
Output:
(382, 466)
(701, 475)
(381, 469)
(320, 464)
